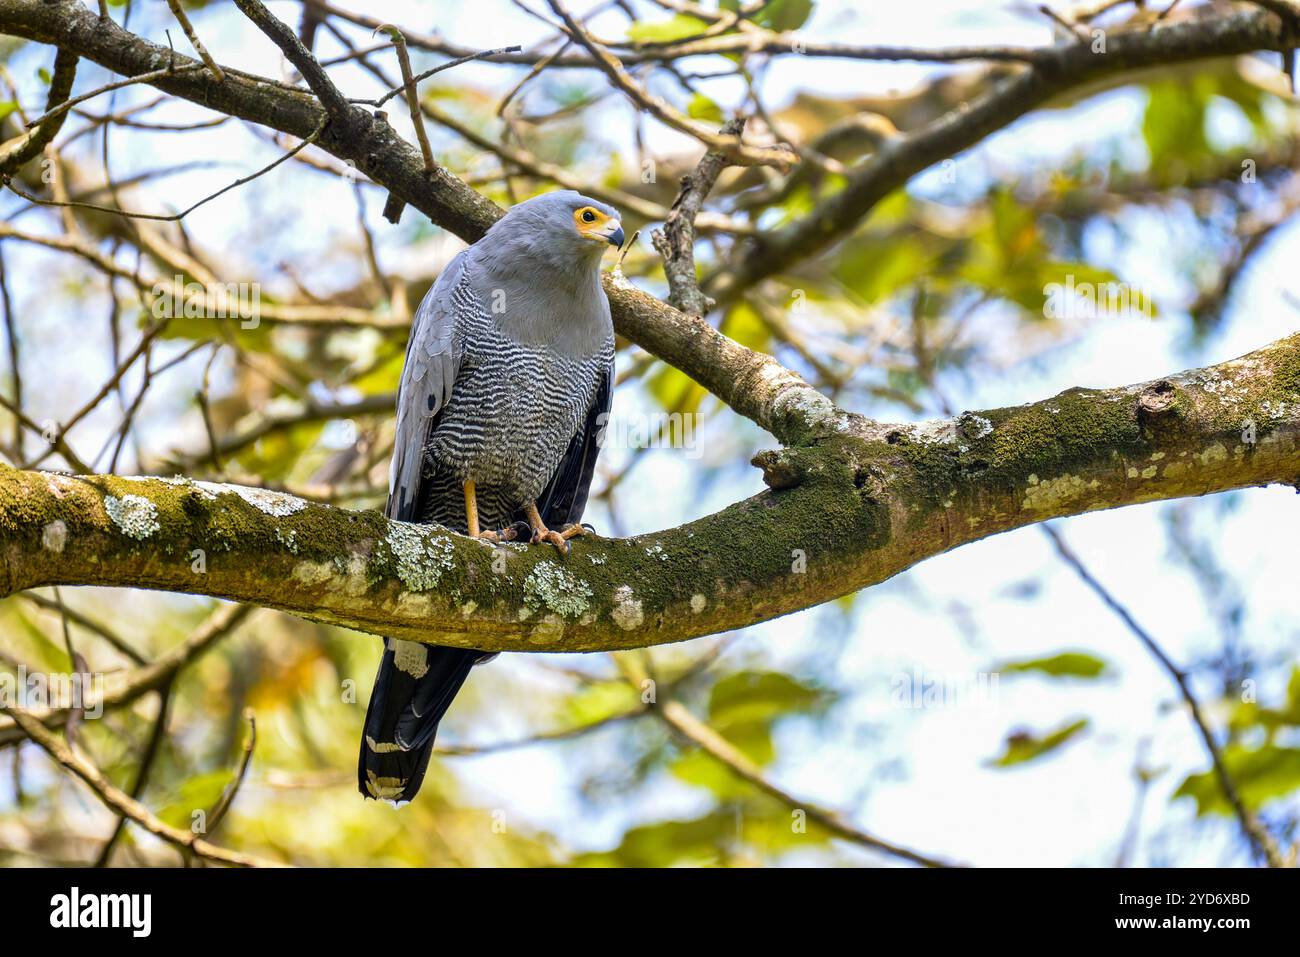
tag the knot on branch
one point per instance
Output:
(1156, 402)
(781, 470)
(1158, 412)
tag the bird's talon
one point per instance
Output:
(555, 538)
(573, 531)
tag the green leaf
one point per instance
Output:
(877, 271)
(1023, 746)
(1068, 664)
(665, 843)
(675, 390)
(703, 108)
(743, 707)
(783, 15)
(743, 324)
(44, 74)
(665, 31)
(600, 700)
(199, 793)
(759, 696)
(1261, 774)
(7, 107)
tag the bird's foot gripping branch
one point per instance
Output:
(848, 509)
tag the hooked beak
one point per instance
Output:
(614, 233)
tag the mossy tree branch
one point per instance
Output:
(853, 508)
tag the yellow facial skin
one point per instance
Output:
(592, 224)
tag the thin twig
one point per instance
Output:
(179, 12)
(412, 97)
(152, 748)
(176, 217)
(150, 77)
(677, 717)
(739, 152)
(228, 794)
(1255, 832)
(121, 802)
(335, 103)
(34, 143)
(15, 366)
(409, 85)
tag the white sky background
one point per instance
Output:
(917, 777)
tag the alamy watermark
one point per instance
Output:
(80, 690)
(652, 430)
(921, 689)
(215, 300)
(1089, 300)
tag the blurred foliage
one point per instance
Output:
(1024, 746)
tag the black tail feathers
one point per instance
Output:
(413, 689)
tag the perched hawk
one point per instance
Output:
(509, 366)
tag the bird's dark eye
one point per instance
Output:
(588, 216)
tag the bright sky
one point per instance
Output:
(917, 777)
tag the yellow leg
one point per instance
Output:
(471, 510)
(471, 516)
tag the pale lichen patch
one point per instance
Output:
(278, 504)
(627, 613)
(1214, 454)
(413, 605)
(934, 430)
(698, 603)
(57, 483)
(54, 536)
(422, 557)
(550, 586)
(976, 426)
(355, 581)
(548, 629)
(1050, 494)
(134, 515)
(313, 573)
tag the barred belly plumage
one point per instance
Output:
(513, 411)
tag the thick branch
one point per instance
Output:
(851, 510)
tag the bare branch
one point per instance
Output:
(183, 19)
(733, 147)
(676, 242)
